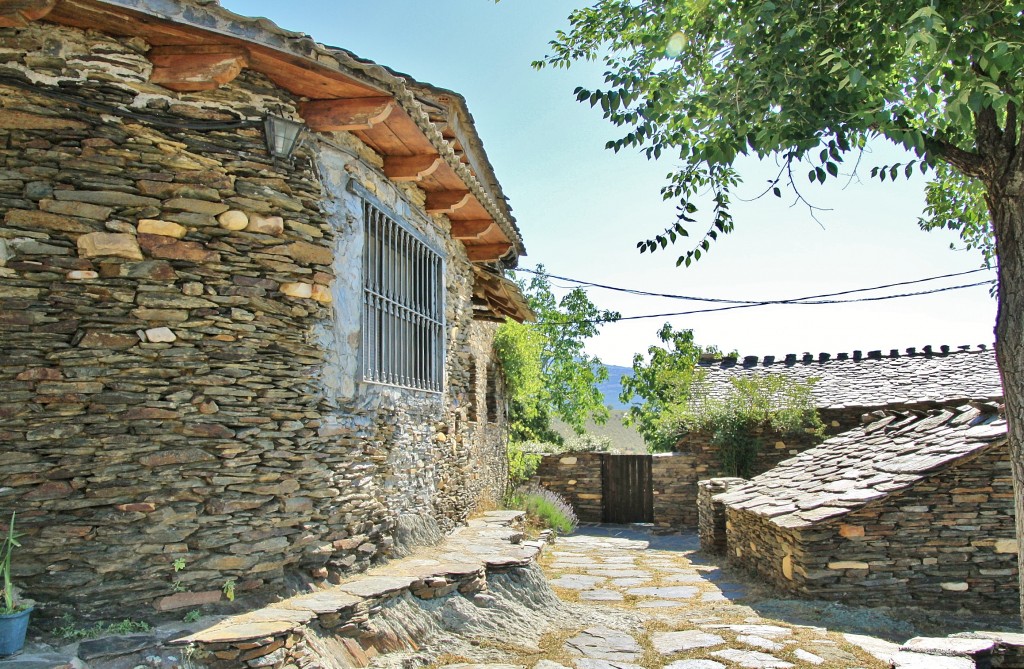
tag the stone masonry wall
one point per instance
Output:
(712, 520)
(674, 478)
(178, 368)
(578, 478)
(947, 543)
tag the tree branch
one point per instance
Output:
(968, 162)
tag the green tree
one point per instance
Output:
(548, 372)
(810, 83)
(663, 382)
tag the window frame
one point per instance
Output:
(410, 358)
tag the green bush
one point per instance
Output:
(522, 464)
(544, 508)
(754, 404)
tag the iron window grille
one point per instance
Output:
(403, 310)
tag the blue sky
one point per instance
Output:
(582, 209)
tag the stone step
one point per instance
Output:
(266, 636)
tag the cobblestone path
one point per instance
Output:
(682, 613)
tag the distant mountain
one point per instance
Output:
(613, 386)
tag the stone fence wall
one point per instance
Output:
(712, 516)
(674, 476)
(578, 478)
(946, 543)
(179, 344)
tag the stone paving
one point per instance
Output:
(678, 612)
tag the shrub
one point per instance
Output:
(544, 508)
(522, 464)
(588, 443)
(754, 404)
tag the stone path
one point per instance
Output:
(678, 612)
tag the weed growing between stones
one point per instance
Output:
(69, 630)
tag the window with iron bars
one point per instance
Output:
(403, 308)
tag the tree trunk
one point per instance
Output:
(1006, 206)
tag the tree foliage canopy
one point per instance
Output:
(549, 374)
(810, 82)
(663, 382)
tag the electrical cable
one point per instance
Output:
(634, 291)
(150, 119)
(798, 300)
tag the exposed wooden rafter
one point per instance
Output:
(487, 252)
(196, 67)
(471, 229)
(447, 201)
(411, 168)
(18, 13)
(346, 113)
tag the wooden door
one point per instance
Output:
(628, 496)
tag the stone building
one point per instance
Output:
(846, 388)
(848, 385)
(263, 365)
(915, 508)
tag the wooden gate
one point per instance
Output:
(628, 496)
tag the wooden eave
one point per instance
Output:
(307, 70)
(495, 297)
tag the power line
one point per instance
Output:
(634, 291)
(797, 300)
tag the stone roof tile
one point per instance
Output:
(866, 382)
(866, 464)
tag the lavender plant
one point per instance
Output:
(545, 507)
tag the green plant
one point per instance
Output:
(754, 405)
(548, 373)
(545, 508)
(179, 564)
(192, 616)
(588, 443)
(71, 631)
(9, 603)
(664, 382)
(229, 589)
(178, 586)
(522, 465)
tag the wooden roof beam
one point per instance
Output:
(487, 252)
(411, 168)
(471, 229)
(196, 68)
(346, 113)
(447, 201)
(18, 13)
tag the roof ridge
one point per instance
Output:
(708, 359)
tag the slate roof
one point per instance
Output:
(868, 463)
(874, 380)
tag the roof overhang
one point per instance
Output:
(200, 46)
(495, 297)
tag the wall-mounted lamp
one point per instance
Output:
(282, 135)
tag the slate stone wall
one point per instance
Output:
(179, 320)
(946, 543)
(711, 514)
(674, 476)
(578, 478)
